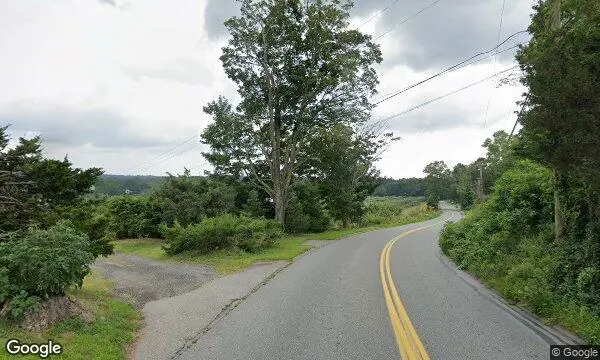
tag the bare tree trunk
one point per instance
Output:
(280, 201)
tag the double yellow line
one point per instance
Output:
(409, 344)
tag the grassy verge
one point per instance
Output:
(287, 249)
(556, 311)
(106, 337)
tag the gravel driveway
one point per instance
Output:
(142, 280)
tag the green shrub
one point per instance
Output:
(222, 232)
(508, 241)
(48, 262)
(4, 283)
(132, 217)
(306, 211)
(42, 264)
(189, 199)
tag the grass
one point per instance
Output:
(107, 336)
(226, 262)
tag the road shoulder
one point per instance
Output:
(174, 324)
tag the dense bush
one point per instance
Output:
(520, 207)
(132, 217)
(190, 199)
(89, 217)
(42, 264)
(387, 210)
(222, 232)
(306, 211)
(509, 242)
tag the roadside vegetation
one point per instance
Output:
(292, 161)
(287, 247)
(107, 333)
(533, 231)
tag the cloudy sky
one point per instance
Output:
(120, 84)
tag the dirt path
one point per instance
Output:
(142, 280)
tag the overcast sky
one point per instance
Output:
(116, 83)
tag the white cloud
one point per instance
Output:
(113, 83)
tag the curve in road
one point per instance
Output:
(332, 304)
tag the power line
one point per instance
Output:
(460, 67)
(378, 13)
(444, 96)
(487, 107)
(407, 19)
(162, 154)
(451, 68)
(169, 158)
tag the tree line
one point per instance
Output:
(534, 231)
(295, 154)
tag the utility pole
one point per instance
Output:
(480, 184)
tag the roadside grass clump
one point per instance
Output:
(508, 242)
(223, 232)
(43, 263)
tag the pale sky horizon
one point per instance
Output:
(116, 83)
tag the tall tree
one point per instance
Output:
(438, 182)
(499, 157)
(343, 165)
(298, 67)
(561, 126)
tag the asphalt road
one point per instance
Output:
(330, 304)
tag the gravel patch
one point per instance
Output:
(175, 324)
(141, 280)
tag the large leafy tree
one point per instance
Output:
(298, 67)
(438, 182)
(499, 157)
(342, 163)
(561, 128)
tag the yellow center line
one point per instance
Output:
(409, 343)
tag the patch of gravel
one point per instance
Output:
(141, 280)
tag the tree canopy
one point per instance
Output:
(298, 67)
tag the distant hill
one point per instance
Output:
(112, 185)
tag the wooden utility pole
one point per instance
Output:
(480, 184)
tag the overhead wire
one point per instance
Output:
(445, 95)
(169, 158)
(487, 107)
(378, 13)
(407, 19)
(161, 154)
(451, 68)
